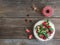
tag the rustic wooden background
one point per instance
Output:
(15, 15)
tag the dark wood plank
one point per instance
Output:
(15, 27)
(27, 42)
(13, 33)
(20, 8)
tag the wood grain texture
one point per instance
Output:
(20, 8)
(28, 42)
(16, 15)
(15, 27)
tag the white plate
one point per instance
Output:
(40, 22)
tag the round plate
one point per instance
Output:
(36, 35)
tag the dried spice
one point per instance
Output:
(30, 20)
(26, 20)
(27, 15)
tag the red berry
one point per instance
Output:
(28, 31)
(41, 36)
(30, 36)
(51, 32)
(44, 23)
(49, 26)
(44, 26)
(44, 37)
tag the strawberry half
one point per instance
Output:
(44, 26)
(28, 31)
(30, 36)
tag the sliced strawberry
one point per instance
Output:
(30, 36)
(44, 26)
(28, 31)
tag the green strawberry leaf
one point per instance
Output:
(50, 29)
(47, 20)
(46, 35)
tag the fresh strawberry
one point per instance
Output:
(49, 26)
(30, 36)
(45, 23)
(28, 31)
(44, 26)
(51, 32)
(42, 36)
